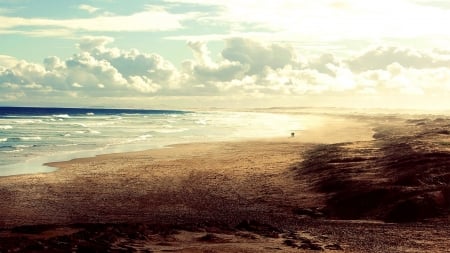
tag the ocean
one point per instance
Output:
(30, 137)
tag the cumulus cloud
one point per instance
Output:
(204, 70)
(381, 57)
(397, 79)
(244, 68)
(201, 52)
(7, 61)
(136, 67)
(91, 43)
(258, 55)
(96, 71)
(88, 72)
(324, 63)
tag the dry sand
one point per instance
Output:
(329, 188)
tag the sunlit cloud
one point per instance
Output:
(48, 32)
(88, 8)
(331, 20)
(152, 19)
(382, 56)
(246, 69)
(7, 61)
(232, 49)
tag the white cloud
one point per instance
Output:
(204, 70)
(88, 8)
(381, 57)
(258, 55)
(325, 20)
(396, 79)
(7, 61)
(325, 63)
(439, 4)
(251, 67)
(131, 63)
(88, 71)
(151, 19)
(143, 84)
(245, 68)
(90, 43)
(98, 70)
(201, 52)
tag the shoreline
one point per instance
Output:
(317, 131)
(361, 131)
(248, 196)
(75, 173)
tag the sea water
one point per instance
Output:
(30, 137)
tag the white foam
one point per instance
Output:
(23, 122)
(3, 139)
(94, 131)
(90, 114)
(144, 137)
(115, 118)
(66, 145)
(31, 138)
(129, 141)
(201, 122)
(23, 146)
(13, 151)
(5, 127)
(61, 116)
(168, 131)
(105, 123)
(80, 124)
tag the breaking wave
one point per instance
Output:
(61, 116)
(30, 138)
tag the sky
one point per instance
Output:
(232, 54)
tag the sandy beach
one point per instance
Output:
(353, 184)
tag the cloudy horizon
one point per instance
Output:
(185, 54)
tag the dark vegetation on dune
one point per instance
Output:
(83, 238)
(121, 237)
(403, 175)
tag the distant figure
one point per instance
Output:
(292, 134)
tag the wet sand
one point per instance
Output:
(358, 184)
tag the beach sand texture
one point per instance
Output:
(331, 188)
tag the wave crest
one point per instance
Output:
(30, 138)
(61, 116)
(12, 151)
